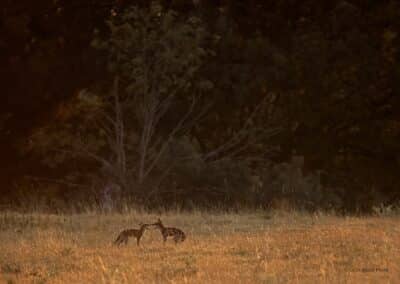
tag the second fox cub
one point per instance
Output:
(177, 234)
(126, 234)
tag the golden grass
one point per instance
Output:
(220, 248)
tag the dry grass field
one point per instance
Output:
(220, 248)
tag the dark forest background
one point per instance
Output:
(273, 102)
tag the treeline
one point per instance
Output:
(222, 103)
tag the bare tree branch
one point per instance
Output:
(240, 136)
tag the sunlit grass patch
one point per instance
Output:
(220, 248)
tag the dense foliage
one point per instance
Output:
(283, 81)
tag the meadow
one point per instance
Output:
(247, 247)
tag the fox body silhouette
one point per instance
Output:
(124, 236)
(177, 234)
